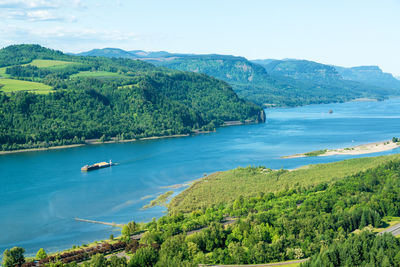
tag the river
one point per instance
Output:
(42, 192)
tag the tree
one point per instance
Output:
(129, 228)
(144, 257)
(41, 254)
(115, 261)
(98, 260)
(14, 256)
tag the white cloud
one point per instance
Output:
(30, 4)
(66, 38)
(38, 10)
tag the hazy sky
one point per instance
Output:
(341, 32)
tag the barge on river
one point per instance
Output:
(96, 166)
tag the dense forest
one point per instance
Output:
(329, 222)
(104, 98)
(365, 249)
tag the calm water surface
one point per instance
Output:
(42, 192)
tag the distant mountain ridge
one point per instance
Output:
(287, 82)
(369, 74)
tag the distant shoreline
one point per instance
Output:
(356, 150)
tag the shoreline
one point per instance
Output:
(355, 150)
(90, 142)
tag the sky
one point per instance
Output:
(341, 32)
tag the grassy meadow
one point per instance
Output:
(222, 187)
(11, 85)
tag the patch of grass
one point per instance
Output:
(11, 85)
(223, 187)
(97, 74)
(159, 201)
(315, 153)
(44, 63)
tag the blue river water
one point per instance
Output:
(42, 192)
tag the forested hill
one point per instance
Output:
(50, 98)
(283, 83)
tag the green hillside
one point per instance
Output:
(94, 98)
(223, 187)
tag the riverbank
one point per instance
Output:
(93, 142)
(356, 150)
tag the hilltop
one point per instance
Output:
(49, 98)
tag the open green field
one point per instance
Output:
(97, 74)
(223, 187)
(11, 85)
(44, 63)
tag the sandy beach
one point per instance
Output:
(356, 150)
